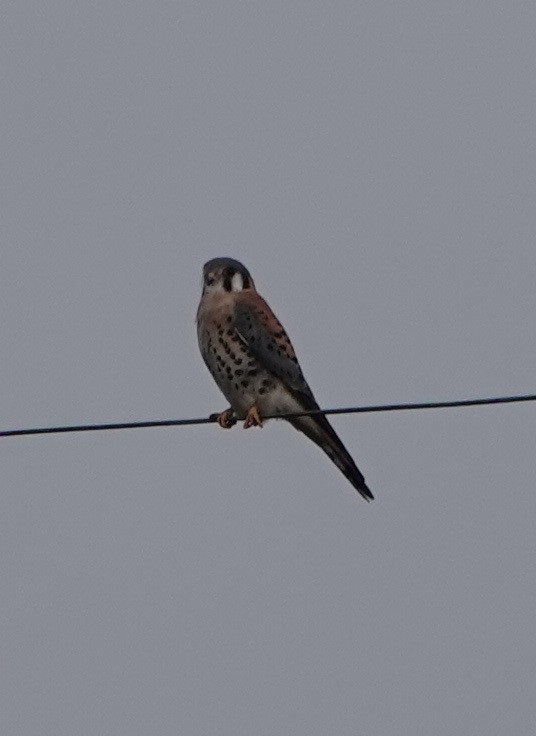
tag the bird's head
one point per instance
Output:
(226, 275)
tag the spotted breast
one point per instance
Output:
(240, 377)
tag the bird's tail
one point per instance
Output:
(320, 431)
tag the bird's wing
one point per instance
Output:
(265, 336)
(266, 339)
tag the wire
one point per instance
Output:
(212, 418)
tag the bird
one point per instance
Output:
(252, 360)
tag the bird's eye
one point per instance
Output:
(209, 280)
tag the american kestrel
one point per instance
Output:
(252, 360)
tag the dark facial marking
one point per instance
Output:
(228, 274)
(227, 279)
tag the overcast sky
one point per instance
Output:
(373, 164)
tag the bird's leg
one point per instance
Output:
(225, 418)
(253, 418)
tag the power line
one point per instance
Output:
(211, 419)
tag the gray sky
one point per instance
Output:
(373, 164)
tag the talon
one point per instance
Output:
(225, 418)
(253, 418)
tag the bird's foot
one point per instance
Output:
(253, 418)
(225, 419)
